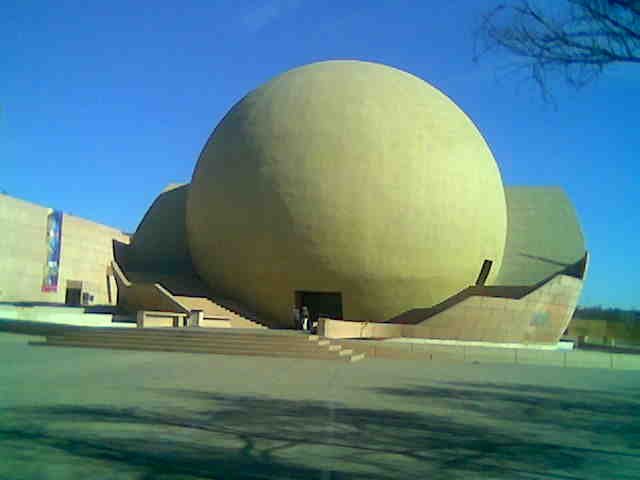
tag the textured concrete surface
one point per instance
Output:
(160, 242)
(86, 254)
(349, 177)
(540, 316)
(77, 414)
(133, 297)
(543, 235)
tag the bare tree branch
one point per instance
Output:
(578, 41)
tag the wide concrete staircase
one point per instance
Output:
(256, 342)
(178, 293)
(238, 309)
(213, 309)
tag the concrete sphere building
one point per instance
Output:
(346, 179)
(351, 188)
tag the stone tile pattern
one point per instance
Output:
(86, 254)
(538, 317)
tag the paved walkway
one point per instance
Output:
(77, 414)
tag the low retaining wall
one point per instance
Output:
(331, 328)
(485, 355)
(56, 315)
(537, 314)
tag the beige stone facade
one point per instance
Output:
(536, 315)
(86, 255)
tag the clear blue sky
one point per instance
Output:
(104, 103)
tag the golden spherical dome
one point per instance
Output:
(350, 177)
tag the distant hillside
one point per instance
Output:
(609, 314)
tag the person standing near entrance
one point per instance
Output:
(297, 319)
(305, 319)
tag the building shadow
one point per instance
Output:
(550, 261)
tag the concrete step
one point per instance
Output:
(357, 357)
(213, 307)
(176, 335)
(219, 350)
(237, 341)
(188, 343)
(213, 332)
(238, 309)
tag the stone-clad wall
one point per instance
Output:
(86, 254)
(538, 317)
(22, 250)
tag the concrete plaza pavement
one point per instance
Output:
(84, 413)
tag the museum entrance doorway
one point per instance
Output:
(320, 304)
(72, 297)
(73, 293)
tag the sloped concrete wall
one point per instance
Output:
(159, 243)
(344, 329)
(133, 297)
(538, 317)
(543, 235)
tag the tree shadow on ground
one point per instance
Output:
(247, 437)
(604, 412)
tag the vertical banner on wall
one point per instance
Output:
(54, 244)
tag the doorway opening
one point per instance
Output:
(320, 304)
(72, 297)
(73, 293)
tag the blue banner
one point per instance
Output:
(54, 244)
